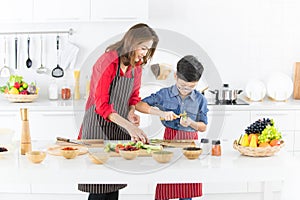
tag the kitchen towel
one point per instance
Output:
(69, 52)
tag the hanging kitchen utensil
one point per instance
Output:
(16, 53)
(5, 70)
(57, 72)
(28, 61)
(41, 69)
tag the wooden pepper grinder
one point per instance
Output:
(25, 136)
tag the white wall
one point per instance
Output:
(245, 39)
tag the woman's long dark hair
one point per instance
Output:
(136, 35)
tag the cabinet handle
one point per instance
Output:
(119, 18)
(62, 19)
(58, 114)
(276, 114)
(7, 115)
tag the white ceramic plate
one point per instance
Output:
(255, 90)
(279, 86)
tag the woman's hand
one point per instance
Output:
(133, 118)
(137, 134)
(185, 121)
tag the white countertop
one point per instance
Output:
(15, 168)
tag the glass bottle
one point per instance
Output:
(216, 148)
(53, 90)
(205, 146)
(65, 91)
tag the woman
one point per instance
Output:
(114, 92)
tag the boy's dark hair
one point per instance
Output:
(189, 69)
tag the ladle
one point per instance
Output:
(5, 70)
(42, 69)
(57, 72)
(28, 61)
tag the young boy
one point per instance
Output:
(183, 111)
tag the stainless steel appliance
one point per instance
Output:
(238, 101)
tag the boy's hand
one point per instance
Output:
(185, 121)
(168, 116)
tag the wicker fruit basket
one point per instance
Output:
(258, 151)
(19, 98)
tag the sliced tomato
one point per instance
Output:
(118, 147)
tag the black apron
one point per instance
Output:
(95, 126)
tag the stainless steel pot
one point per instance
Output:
(224, 95)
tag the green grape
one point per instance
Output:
(268, 134)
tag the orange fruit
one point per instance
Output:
(274, 143)
(264, 144)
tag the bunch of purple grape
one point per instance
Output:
(259, 125)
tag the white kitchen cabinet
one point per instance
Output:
(61, 10)
(47, 125)
(284, 120)
(297, 120)
(297, 132)
(119, 10)
(10, 119)
(227, 125)
(289, 140)
(16, 10)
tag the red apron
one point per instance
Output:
(178, 190)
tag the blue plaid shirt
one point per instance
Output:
(168, 99)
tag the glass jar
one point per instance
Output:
(65, 93)
(205, 146)
(53, 91)
(216, 148)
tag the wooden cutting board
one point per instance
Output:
(296, 93)
(176, 143)
(93, 143)
(55, 149)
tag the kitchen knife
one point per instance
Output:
(71, 141)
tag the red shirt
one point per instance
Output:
(104, 71)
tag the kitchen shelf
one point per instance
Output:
(69, 32)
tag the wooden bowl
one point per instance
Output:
(36, 156)
(69, 152)
(98, 157)
(162, 156)
(129, 155)
(192, 152)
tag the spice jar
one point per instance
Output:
(216, 148)
(65, 93)
(205, 146)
